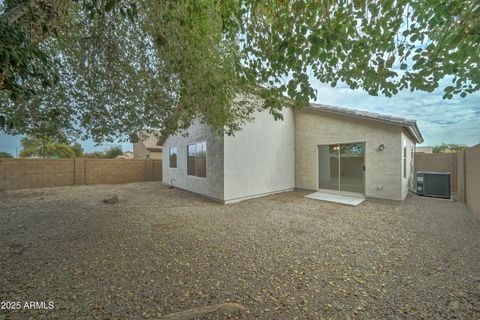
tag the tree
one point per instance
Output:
(113, 152)
(206, 52)
(26, 23)
(60, 150)
(46, 148)
(4, 154)
(449, 148)
(77, 149)
(95, 155)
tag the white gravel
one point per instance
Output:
(159, 251)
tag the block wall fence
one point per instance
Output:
(464, 168)
(37, 173)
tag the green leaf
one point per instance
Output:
(449, 89)
(110, 5)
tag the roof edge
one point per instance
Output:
(409, 124)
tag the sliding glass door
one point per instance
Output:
(341, 167)
(328, 167)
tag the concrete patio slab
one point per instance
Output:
(348, 200)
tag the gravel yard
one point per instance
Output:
(159, 251)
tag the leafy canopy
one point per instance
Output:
(449, 147)
(110, 153)
(113, 152)
(127, 66)
(46, 148)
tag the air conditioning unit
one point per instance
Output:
(433, 184)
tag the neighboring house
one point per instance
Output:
(147, 147)
(424, 149)
(323, 148)
(127, 155)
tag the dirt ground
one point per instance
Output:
(159, 251)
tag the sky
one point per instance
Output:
(440, 121)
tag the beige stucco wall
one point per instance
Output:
(259, 159)
(155, 155)
(140, 150)
(383, 168)
(212, 185)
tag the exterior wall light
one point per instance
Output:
(381, 147)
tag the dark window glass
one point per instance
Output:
(197, 159)
(191, 154)
(201, 160)
(173, 157)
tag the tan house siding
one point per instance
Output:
(141, 148)
(383, 172)
(155, 155)
(212, 185)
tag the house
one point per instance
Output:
(127, 155)
(321, 147)
(146, 147)
(425, 149)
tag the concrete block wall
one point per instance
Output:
(99, 171)
(461, 179)
(464, 167)
(37, 173)
(472, 179)
(439, 162)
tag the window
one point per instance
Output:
(172, 153)
(197, 159)
(404, 159)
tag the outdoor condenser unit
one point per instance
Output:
(433, 184)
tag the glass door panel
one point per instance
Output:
(328, 167)
(352, 161)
